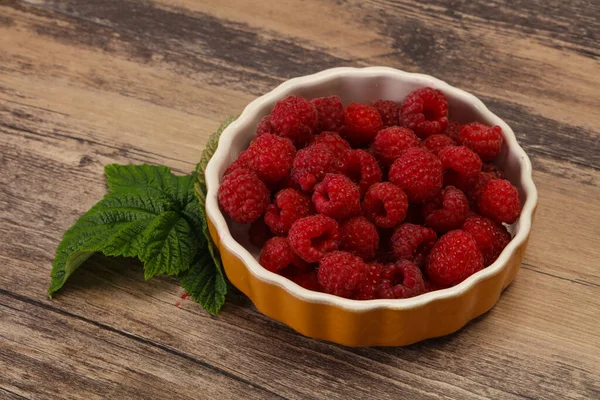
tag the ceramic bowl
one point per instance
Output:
(348, 322)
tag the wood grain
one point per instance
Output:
(86, 83)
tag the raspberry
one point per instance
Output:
(337, 197)
(367, 289)
(308, 280)
(312, 237)
(243, 196)
(340, 273)
(499, 200)
(391, 142)
(259, 233)
(288, 207)
(425, 111)
(491, 237)
(295, 118)
(241, 162)
(334, 142)
(492, 169)
(484, 140)
(401, 281)
(311, 164)
(264, 126)
(330, 111)
(453, 259)
(412, 242)
(435, 143)
(475, 185)
(452, 130)
(385, 204)
(419, 173)
(388, 110)
(448, 211)
(461, 160)
(362, 168)
(271, 157)
(277, 255)
(359, 237)
(362, 123)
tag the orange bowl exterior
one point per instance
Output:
(373, 327)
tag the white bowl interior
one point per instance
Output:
(363, 86)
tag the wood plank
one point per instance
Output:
(73, 357)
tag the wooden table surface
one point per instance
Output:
(84, 83)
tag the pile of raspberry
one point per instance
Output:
(372, 201)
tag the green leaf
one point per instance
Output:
(168, 245)
(204, 281)
(210, 148)
(130, 177)
(151, 178)
(137, 223)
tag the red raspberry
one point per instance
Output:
(484, 140)
(362, 123)
(499, 200)
(340, 273)
(264, 126)
(367, 289)
(492, 169)
(491, 237)
(288, 207)
(312, 237)
(277, 255)
(474, 186)
(435, 143)
(391, 142)
(259, 233)
(243, 196)
(295, 118)
(241, 162)
(308, 280)
(452, 130)
(362, 168)
(330, 111)
(271, 157)
(401, 281)
(385, 204)
(388, 110)
(311, 164)
(460, 160)
(453, 259)
(359, 237)
(425, 111)
(334, 142)
(337, 197)
(419, 173)
(448, 211)
(412, 242)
